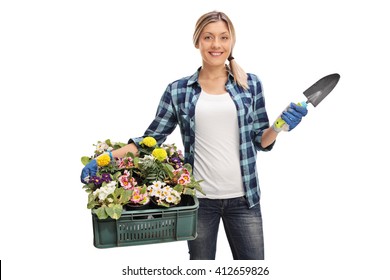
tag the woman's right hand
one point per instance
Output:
(290, 117)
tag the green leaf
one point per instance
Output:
(91, 197)
(114, 211)
(108, 142)
(116, 175)
(119, 145)
(136, 161)
(169, 170)
(130, 154)
(119, 191)
(178, 188)
(188, 167)
(145, 150)
(143, 190)
(125, 197)
(199, 187)
(116, 194)
(164, 204)
(101, 212)
(161, 176)
(89, 187)
(189, 191)
(91, 205)
(85, 160)
(151, 176)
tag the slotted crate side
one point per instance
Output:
(147, 226)
(152, 229)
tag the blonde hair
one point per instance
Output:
(240, 76)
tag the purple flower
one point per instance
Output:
(96, 180)
(177, 162)
(106, 177)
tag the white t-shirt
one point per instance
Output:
(217, 155)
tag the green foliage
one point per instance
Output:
(111, 206)
(123, 177)
(85, 160)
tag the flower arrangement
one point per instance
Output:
(156, 174)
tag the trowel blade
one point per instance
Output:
(318, 91)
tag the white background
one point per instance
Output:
(74, 72)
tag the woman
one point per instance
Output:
(223, 122)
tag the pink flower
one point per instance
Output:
(181, 170)
(125, 162)
(136, 197)
(126, 181)
(133, 182)
(184, 179)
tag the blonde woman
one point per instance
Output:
(223, 122)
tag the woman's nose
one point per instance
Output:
(216, 44)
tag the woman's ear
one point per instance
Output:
(197, 46)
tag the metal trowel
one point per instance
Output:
(315, 94)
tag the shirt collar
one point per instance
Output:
(194, 78)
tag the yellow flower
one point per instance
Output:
(149, 141)
(103, 160)
(160, 154)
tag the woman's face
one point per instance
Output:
(215, 43)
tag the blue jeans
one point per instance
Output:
(243, 227)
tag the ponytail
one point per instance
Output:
(240, 76)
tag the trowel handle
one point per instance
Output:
(280, 123)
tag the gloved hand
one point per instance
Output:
(292, 116)
(91, 168)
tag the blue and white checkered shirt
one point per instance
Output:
(177, 107)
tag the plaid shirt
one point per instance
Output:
(177, 107)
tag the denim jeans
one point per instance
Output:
(243, 227)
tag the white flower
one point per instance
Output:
(111, 184)
(147, 158)
(171, 199)
(101, 147)
(159, 193)
(96, 192)
(158, 184)
(154, 192)
(105, 191)
(166, 190)
(102, 196)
